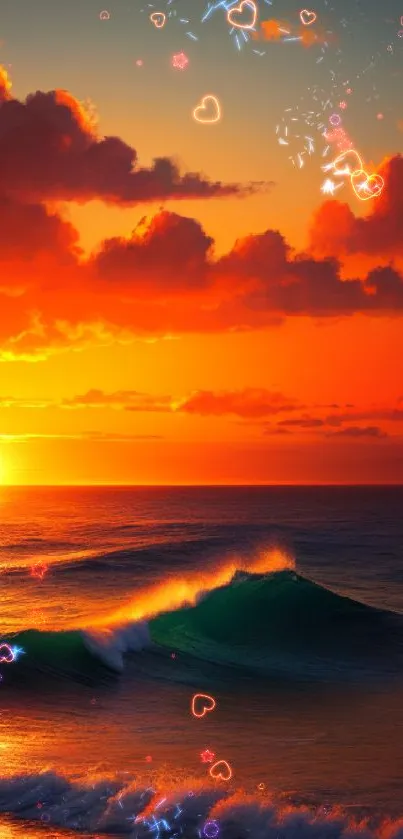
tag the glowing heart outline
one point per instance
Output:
(202, 107)
(369, 179)
(218, 775)
(341, 157)
(158, 19)
(307, 16)
(237, 10)
(9, 658)
(207, 708)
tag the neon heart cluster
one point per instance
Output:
(203, 704)
(364, 186)
(9, 654)
(242, 19)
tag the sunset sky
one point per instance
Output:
(250, 329)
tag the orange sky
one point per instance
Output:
(173, 358)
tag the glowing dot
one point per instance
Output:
(379, 116)
(139, 62)
(342, 105)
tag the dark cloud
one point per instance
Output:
(372, 431)
(383, 414)
(164, 252)
(50, 150)
(30, 230)
(302, 422)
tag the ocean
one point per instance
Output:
(282, 605)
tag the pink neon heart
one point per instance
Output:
(236, 11)
(158, 19)
(307, 17)
(9, 657)
(202, 113)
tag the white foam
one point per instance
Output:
(110, 645)
(116, 807)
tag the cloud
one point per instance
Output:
(250, 403)
(309, 422)
(372, 431)
(165, 252)
(50, 150)
(30, 230)
(385, 414)
(129, 400)
(164, 280)
(337, 231)
(303, 422)
(251, 406)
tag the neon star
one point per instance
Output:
(180, 61)
(207, 756)
(39, 570)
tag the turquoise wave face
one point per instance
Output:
(282, 624)
(57, 654)
(279, 625)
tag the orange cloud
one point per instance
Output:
(336, 231)
(164, 279)
(129, 400)
(249, 403)
(251, 406)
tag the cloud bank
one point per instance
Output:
(164, 279)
